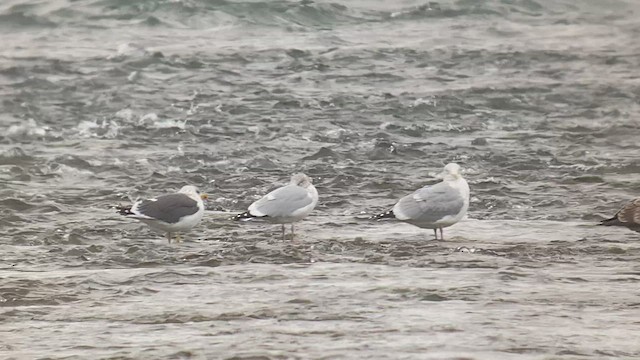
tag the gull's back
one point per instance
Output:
(431, 206)
(168, 208)
(283, 203)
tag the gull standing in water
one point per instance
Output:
(170, 213)
(628, 216)
(285, 205)
(434, 207)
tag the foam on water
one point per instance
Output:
(26, 131)
(98, 128)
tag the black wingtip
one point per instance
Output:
(123, 210)
(385, 215)
(610, 222)
(244, 216)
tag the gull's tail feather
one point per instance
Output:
(244, 216)
(123, 210)
(610, 222)
(385, 215)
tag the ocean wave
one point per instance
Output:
(290, 15)
(20, 20)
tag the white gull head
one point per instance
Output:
(192, 192)
(451, 172)
(301, 180)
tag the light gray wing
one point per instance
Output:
(430, 203)
(168, 208)
(281, 202)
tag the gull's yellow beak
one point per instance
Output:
(204, 196)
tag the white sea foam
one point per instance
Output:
(98, 128)
(26, 130)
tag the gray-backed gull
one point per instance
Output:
(285, 205)
(434, 207)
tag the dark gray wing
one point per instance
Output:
(430, 203)
(168, 208)
(282, 202)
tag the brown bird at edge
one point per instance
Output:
(628, 216)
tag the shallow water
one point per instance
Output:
(104, 101)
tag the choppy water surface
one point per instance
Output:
(106, 100)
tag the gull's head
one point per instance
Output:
(192, 192)
(301, 180)
(451, 172)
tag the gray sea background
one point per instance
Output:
(105, 101)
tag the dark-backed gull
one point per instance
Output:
(172, 213)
